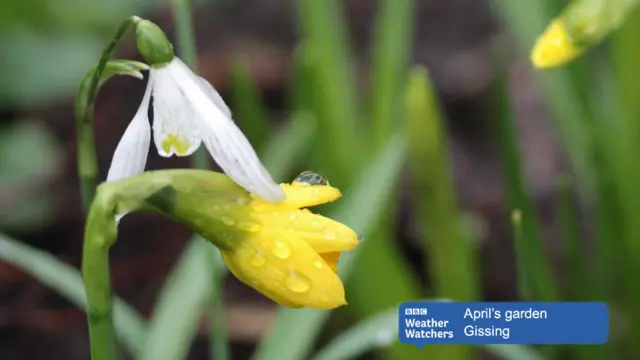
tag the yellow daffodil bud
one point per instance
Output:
(581, 25)
(554, 47)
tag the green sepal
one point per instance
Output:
(588, 22)
(200, 199)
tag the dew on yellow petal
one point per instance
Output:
(172, 141)
(297, 282)
(281, 249)
(318, 263)
(258, 259)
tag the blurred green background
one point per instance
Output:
(470, 175)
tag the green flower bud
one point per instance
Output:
(153, 43)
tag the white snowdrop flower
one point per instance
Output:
(188, 111)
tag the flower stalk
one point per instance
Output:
(85, 99)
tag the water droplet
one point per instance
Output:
(281, 250)
(318, 263)
(297, 282)
(292, 217)
(316, 223)
(249, 226)
(360, 238)
(330, 235)
(258, 259)
(323, 296)
(227, 220)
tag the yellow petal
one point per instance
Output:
(299, 196)
(321, 233)
(554, 47)
(332, 260)
(285, 269)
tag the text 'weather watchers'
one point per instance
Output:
(422, 323)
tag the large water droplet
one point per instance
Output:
(281, 250)
(318, 263)
(227, 220)
(258, 259)
(297, 282)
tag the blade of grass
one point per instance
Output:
(381, 330)
(579, 287)
(392, 43)
(248, 108)
(535, 272)
(193, 277)
(578, 284)
(451, 253)
(292, 142)
(335, 86)
(177, 312)
(67, 281)
(372, 272)
(295, 330)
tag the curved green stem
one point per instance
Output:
(85, 98)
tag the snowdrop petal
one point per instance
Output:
(207, 88)
(213, 95)
(174, 131)
(226, 143)
(130, 156)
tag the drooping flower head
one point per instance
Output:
(188, 112)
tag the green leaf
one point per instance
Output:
(535, 272)
(381, 330)
(248, 109)
(391, 50)
(177, 311)
(450, 250)
(335, 87)
(67, 281)
(295, 330)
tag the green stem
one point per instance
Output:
(85, 99)
(187, 51)
(100, 235)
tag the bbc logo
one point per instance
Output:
(415, 311)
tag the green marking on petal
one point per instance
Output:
(172, 141)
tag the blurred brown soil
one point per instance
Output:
(454, 40)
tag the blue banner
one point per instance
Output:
(423, 323)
